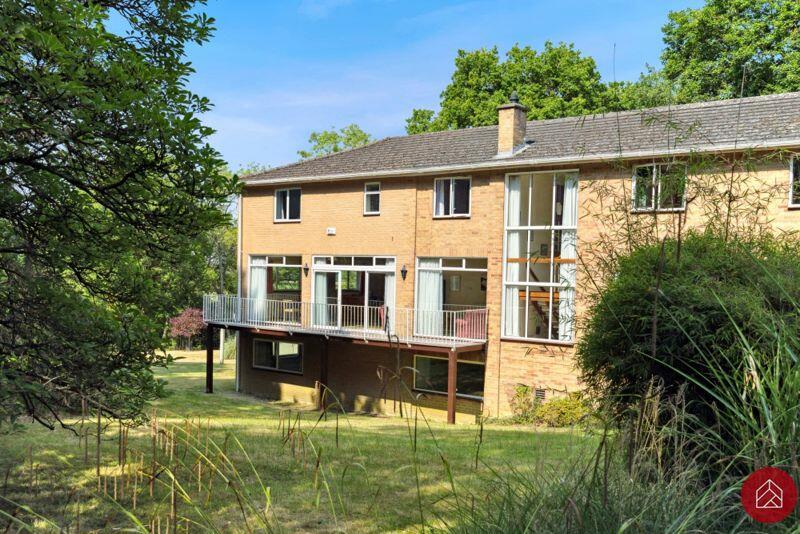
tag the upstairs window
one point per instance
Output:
(451, 197)
(659, 188)
(794, 183)
(372, 198)
(287, 204)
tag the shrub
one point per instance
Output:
(229, 348)
(557, 412)
(708, 299)
(562, 411)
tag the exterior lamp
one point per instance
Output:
(403, 271)
(305, 269)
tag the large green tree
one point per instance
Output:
(106, 183)
(557, 81)
(732, 47)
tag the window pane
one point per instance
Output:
(469, 379)
(343, 260)
(517, 200)
(380, 261)
(643, 190)
(452, 262)
(373, 203)
(672, 183)
(294, 204)
(538, 309)
(289, 357)
(538, 267)
(431, 374)
(372, 187)
(275, 260)
(322, 260)
(476, 263)
(442, 197)
(263, 355)
(294, 260)
(795, 181)
(284, 279)
(461, 196)
(514, 313)
(541, 200)
(363, 260)
(258, 260)
(280, 205)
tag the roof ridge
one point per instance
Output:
(672, 107)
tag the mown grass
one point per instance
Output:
(353, 473)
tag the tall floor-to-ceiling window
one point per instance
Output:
(539, 256)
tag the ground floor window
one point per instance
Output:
(431, 375)
(278, 355)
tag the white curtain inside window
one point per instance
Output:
(258, 293)
(442, 197)
(429, 317)
(320, 299)
(566, 306)
(511, 317)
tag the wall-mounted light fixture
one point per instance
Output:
(403, 271)
(305, 269)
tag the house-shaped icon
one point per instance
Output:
(769, 495)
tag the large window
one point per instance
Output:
(451, 197)
(353, 292)
(539, 256)
(659, 187)
(287, 204)
(794, 187)
(278, 355)
(430, 375)
(451, 297)
(274, 288)
(372, 198)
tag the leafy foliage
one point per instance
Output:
(557, 412)
(731, 47)
(674, 317)
(187, 324)
(330, 141)
(106, 183)
(555, 82)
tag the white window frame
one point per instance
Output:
(655, 191)
(552, 286)
(288, 202)
(459, 395)
(794, 176)
(266, 264)
(367, 194)
(442, 269)
(452, 180)
(274, 343)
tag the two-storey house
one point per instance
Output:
(448, 266)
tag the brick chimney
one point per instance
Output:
(511, 125)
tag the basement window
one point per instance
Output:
(287, 204)
(372, 198)
(451, 197)
(659, 188)
(274, 355)
(430, 376)
(794, 183)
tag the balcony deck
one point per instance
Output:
(461, 328)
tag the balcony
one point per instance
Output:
(454, 327)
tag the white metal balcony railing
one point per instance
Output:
(450, 327)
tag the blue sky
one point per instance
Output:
(277, 70)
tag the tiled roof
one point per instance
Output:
(762, 121)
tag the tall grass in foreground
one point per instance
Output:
(665, 470)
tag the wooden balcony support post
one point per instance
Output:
(323, 375)
(209, 358)
(452, 360)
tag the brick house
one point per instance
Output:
(450, 267)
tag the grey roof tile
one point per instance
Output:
(702, 126)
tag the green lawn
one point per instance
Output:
(364, 483)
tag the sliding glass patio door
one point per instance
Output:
(327, 298)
